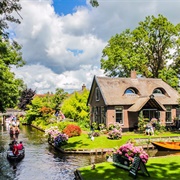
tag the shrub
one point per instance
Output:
(72, 130)
(95, 126)
(62, 125)
(60, 140)
(115, 126)
(94, 134)
(115, 134)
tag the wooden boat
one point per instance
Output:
(164, 146)
(12, 157)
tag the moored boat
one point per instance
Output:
(164, 146)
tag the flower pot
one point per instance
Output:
(117, 158)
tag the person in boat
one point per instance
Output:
(13, 123)
(11, 130)
(15, 149)
(11, 146)
(17, 131)
(20, 145)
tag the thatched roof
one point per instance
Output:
(113, 91)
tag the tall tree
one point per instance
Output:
(59, 96)
(10, 54)
(9, 88)
(151, 49)
(26, 98)
(75, 107)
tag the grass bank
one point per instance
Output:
(160, 168)
(84, 142)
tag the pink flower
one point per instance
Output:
(130, 151)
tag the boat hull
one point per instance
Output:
(164, 146)
(12, 157)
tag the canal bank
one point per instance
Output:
(144, 143)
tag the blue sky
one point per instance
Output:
(66, 6)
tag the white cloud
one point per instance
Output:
(64, 51)
(44, 80)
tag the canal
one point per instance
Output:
(41, 161)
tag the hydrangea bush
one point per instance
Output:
(60, 140)
(56, 137)
(115, 134)
(115, 131)
(130, 151)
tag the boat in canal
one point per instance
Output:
(12, 157)
(164, 146)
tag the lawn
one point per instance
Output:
(84, 142)
(160, 168)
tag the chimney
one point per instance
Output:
(133, 74)
(83, 87)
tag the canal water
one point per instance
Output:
(41, 161)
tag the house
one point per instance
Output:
(122, 99)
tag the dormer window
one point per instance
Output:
(159, 92)
(130, 91)
(97, 94)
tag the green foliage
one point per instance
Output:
(43, 107)
(59, 97)
(159, 128)
(147, 49)
(75, 106)
(62, 125)
(10, 87)
(84, 125)
(95, 126)
(40, 122)
(142, 122)
(34, 109)
(94, 3)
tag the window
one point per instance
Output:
(168, 114)
(151, 113)
(158, 91)
(103, 115)
(119, 114)
(130, 91)
(97, 94)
